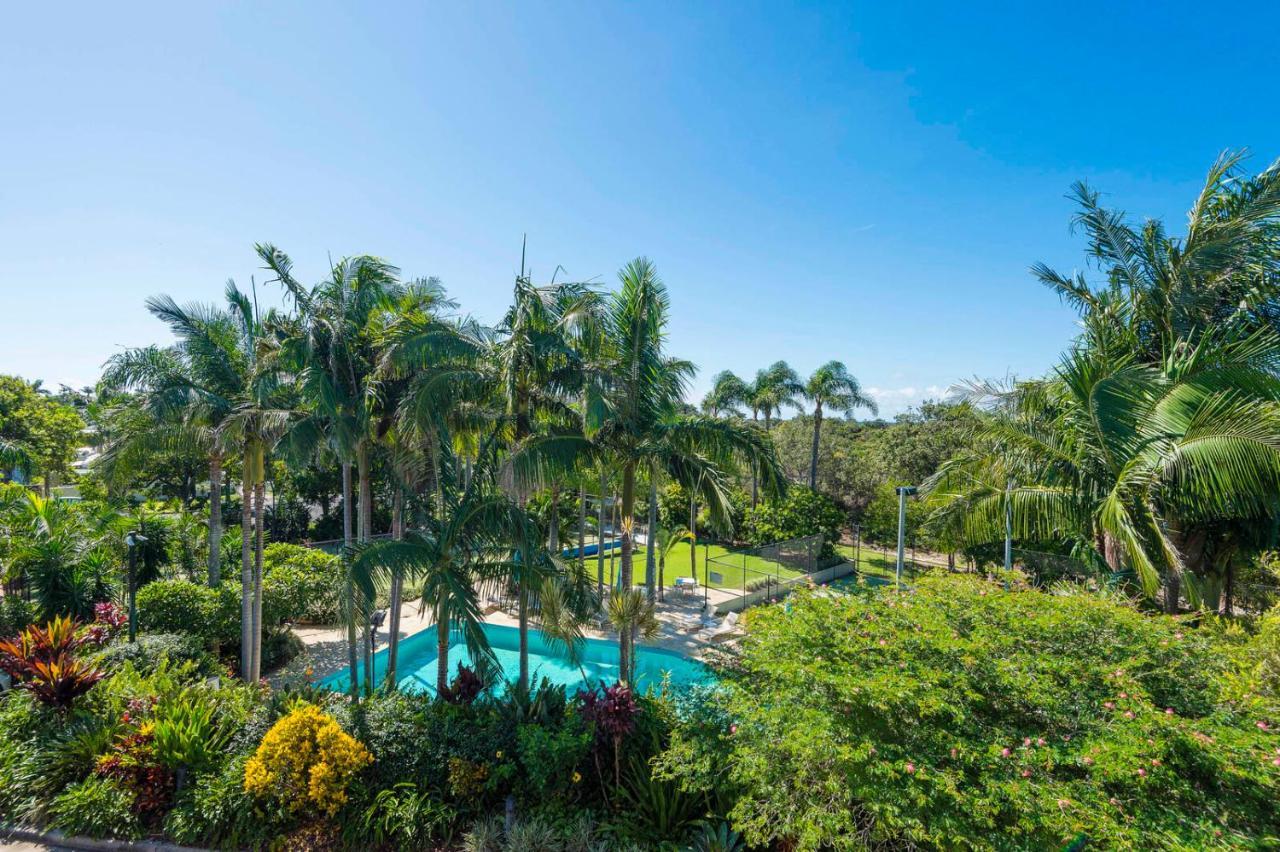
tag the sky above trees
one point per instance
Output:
(848, 181)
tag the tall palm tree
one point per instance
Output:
(772, 388)
(727, 393)
(464, 543)
(189, 389)
(1131, 459)
(632, 418)
(333, 349)
(832, 387)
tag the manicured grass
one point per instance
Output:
(875, 561)
(678, 566)
(730, 564)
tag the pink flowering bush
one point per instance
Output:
(964, 713)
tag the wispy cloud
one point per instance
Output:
(897, 400)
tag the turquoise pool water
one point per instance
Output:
(416, 669)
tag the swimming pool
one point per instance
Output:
(416, 668)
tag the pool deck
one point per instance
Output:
(325, 647)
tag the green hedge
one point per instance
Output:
(963, 715)
(803, 512)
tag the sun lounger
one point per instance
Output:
(713, 634)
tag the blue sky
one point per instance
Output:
(861, 181)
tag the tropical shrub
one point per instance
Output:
(96, 807)
(802, 512)
(962, 714)
(43, 662)
(154, 650)
(300, 584)
(305, 762)
(404, 817)
(15, 615)
(176, 606)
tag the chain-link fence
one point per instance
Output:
(742, 578)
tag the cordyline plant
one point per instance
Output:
(42, 661)
(613, 712)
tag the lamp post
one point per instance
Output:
(132, 540)
(903, 491)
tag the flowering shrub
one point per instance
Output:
(962, 712)
(306, 762)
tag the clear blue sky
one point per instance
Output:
(855, 181)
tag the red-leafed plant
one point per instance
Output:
(466, 687)
(42, 661)
(613, 712)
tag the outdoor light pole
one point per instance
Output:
(903, 491)
(132, 540)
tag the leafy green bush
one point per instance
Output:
(177, 606)
(15, 615)
(96, 807)
(964, 715)
(153, 650)
(803, 512)
(550, 756)
(300, 584)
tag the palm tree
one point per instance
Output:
(1133, 460)
(632, 418)
(631, 613)
(666, 539)
(189, 389)
(1184, 313)
(831, 386)
(772, 388)
(465, 542)
(726, 394)
(333, 349)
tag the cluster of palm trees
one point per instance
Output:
(365, 370)
(829, 388)
(1154, 445)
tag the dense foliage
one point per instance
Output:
(801, 513)
(964, 714)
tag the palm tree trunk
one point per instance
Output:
(397, 588)
(215, 520)
(1226, 605)
(553, 522)
(364, 523)
(600, 539)
(442, 649)
(582, 522)
(246, 567)
(522, 603)
(624, 650)
(693, 530)
(755, 418)
(628, 524)
(259, 499)
(353, 666)
(813, 454)
(365, 518)
(650, 575)
(662, 574)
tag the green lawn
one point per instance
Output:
(730, 564)
(875, 561)
(678, 566)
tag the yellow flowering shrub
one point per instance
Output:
(306, 760)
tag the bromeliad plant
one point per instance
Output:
(42, 660)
